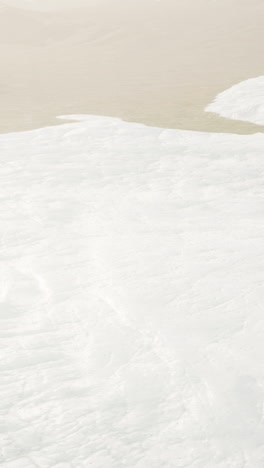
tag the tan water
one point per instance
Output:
(159, 63)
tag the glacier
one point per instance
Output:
(131, 299)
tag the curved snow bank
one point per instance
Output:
(131, 314)
(244, 101)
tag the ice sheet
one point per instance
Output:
(132, 324)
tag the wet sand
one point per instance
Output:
(155, 62)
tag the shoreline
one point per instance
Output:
(157, 63)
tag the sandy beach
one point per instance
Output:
(154, 62)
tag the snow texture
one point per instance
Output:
(244, 101)
(132, 326)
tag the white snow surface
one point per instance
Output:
(244, 101)
(132, 325)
